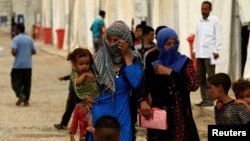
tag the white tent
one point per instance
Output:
(76, 17)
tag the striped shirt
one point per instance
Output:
(232, 114)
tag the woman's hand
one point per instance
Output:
(125, 52)
(145, 110)
(124, 48)
(89, 100)
(162, 70)
(216, 55)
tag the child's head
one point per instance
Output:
(218, 84)
(148, 33)
(81, 59)
(107, 128)
(139, 31)
(241, 90)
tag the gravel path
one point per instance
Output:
(47, 102)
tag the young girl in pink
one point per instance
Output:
(86, 89)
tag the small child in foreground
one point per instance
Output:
(86, 89)
(107, 128)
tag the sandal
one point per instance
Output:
(59, 126)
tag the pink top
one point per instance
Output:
(80, 117)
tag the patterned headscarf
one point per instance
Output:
(169, 57)
(111, 53)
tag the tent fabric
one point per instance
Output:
(235, 60)
(46, 13)
(223, 12)
(76, 17)
(247, 66)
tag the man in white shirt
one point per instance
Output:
(208, 42)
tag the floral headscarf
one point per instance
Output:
(169, 57)
(111, 53)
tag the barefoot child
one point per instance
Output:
(85, 86)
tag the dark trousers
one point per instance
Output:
(21, 82)
(98, 43)
(159, 135)
(70, 106)
(204, 70)
(133, 112)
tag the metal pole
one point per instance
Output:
(176, 15)
(51, 20)
(69, 22)
(100, 5)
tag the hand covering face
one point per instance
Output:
(110, 53)
(169, 57)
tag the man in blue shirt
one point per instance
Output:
(97, 29)
(22, 49)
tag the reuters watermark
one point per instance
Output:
(241, 132)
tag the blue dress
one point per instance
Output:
(118, 104)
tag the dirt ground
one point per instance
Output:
(48, 100)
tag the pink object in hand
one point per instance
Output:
(159, 120)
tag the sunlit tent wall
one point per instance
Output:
(76, 17)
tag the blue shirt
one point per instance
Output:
(118, 104)
(24, 46)
(96, 27)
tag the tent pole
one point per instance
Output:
(51, 20)
(69, 22)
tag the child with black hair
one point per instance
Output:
(138, 34)
(231, 113)
(241, 90)
(86, 89)
(147, 42)
(107, 128)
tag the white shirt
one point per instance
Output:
(208, 37)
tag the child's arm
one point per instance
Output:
(78, 87)
(82, 77)
(239, 101)
(66, 77)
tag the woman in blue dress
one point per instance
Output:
(118, 70)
